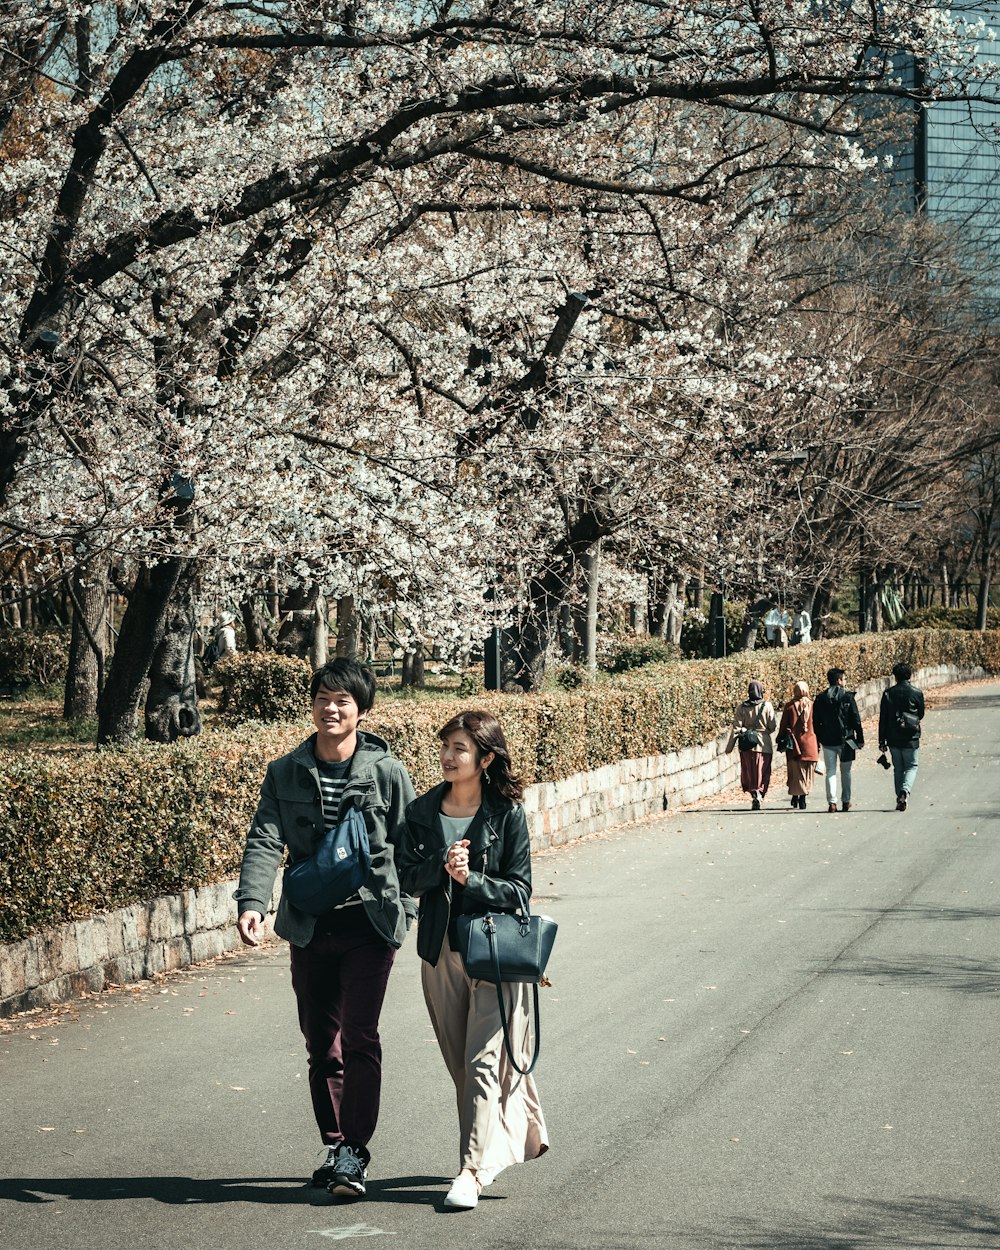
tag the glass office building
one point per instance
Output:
(950, 165)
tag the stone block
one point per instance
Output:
(189, 908)
(176, 953)
(207, 945)
(126, 968)
(214, 908)
(166, 918)
(18, 968)
(57, 952)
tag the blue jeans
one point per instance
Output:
(904, 768)
(832, 759)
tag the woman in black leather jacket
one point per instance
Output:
(465, 849)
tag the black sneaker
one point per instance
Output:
(755, 805)
(324, 1173)
(350, 1171)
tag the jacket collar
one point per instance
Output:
(485, 827)
(371, 749)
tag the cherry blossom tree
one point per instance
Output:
(243, 328)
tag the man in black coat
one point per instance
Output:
(899, 717)
(837, 723)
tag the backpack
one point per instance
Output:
(337, 869)
(212, 652)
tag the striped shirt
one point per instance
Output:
(332, 783)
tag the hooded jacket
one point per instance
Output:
(499, 856)
(290, 816)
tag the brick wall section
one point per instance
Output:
(132, 943)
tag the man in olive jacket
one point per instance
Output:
(341, 960)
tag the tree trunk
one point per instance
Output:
(347, 628)
(299, 621)
(141, 633)
(319, 653)
(756, 607)
(671, 613)
(592, 578)
(413, 668)
(567, 633)
(822, 595)
(983, 599)
(88, 590)
(259, 637)
(172, 700)
(698, 589)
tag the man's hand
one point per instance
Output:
(250, 927)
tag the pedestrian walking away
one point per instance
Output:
(466, 849)
(797, 738)
(340, 959)
(753, 724)
(899, 715)
(837, 724)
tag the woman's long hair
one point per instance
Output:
(484, 730)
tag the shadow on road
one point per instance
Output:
(967, 976)
(916, 1223)
(871, 1225)
(188, 1191)
(973, 702)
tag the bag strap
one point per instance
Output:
(492, 938)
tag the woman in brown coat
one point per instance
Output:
(802, 749)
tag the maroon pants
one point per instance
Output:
(755, 772)
(340, 980)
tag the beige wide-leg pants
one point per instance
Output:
(499, 1114)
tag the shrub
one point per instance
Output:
(696, 634)
(38, 657)
(839, 625)
(259, 685)
(641, 651)
(571, 676)
(947, 618)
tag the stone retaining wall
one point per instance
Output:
(136, 942)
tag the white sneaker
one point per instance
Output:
(464, 1193)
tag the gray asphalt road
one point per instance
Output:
(772, 1029)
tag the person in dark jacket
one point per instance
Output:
(837, 724)
(466, 849)
(341, 960)
(899, 715)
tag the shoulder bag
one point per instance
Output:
(503, 946)
(337, 869)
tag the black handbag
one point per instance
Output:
(503, 946)
(749, 739)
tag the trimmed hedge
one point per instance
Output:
(86, 833)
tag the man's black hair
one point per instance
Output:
(833, 675)
(349, 675)
(902, 672)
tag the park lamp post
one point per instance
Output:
(900, 505)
